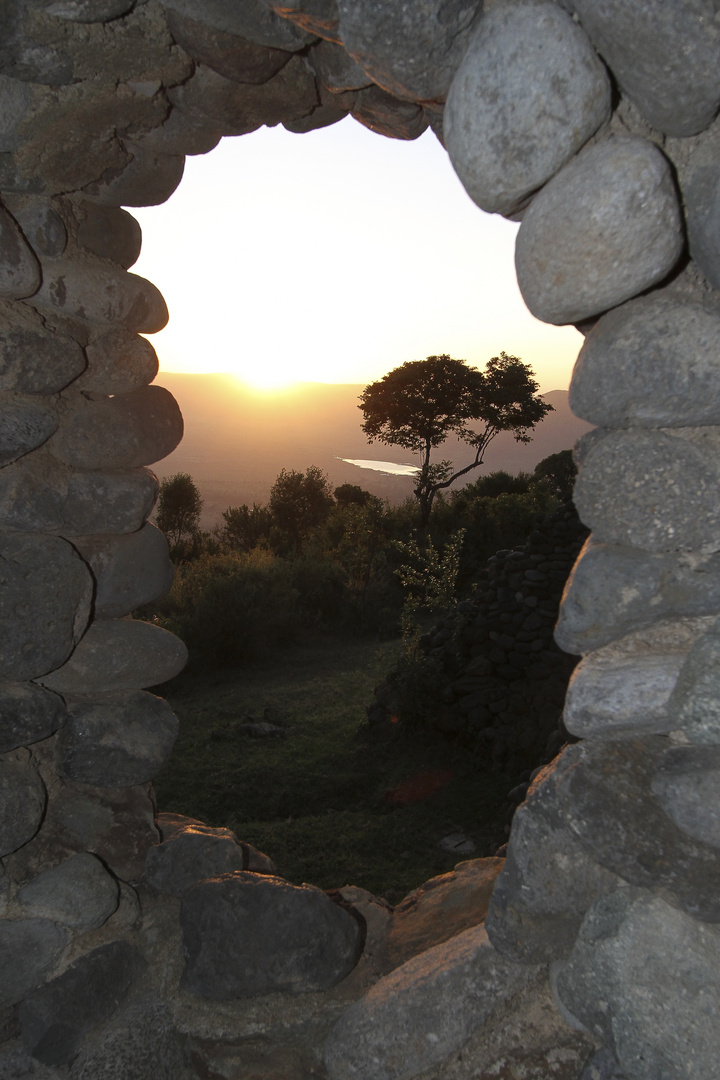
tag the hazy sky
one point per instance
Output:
(333, 257)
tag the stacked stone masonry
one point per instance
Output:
(139, 948)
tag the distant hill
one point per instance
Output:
(237, 441)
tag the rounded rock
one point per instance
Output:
(28, 713)
(605, 228)
(229, 55)
(190, 856)
(687, 783)
(78, 892)
(247, 934)
(387, 115)
(129, 570)
(46, 594)
(121, 740)
(124, 431)
(666, 57)
(92, 289)
(22, 804)
(19, 268)
(529, 92)
(410, 50)
(651, 363)
(147, 180)
(650, 490)
(119, 361)
(40, 494)
(336, 69)
(41, 224)
(35, 358)
(29, 948)
(25, 423)
(252, 19)
(111, 233)
(119, 654)
(702, 206)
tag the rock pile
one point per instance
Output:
(595, 125)
(504, 678)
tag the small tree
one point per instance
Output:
(178, 507)
(244, 528)
(560, 472)
(299, 502)
(420, 404)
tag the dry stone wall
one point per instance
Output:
(594, 122)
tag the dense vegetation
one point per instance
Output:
(316, 561)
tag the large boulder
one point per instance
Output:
(78, 893)
(29, 949)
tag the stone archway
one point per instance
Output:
(595, 124)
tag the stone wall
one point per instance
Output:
(594, 123)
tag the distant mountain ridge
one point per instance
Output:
(237, 440)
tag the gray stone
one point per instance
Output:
(182, 133)
(15, 104)
(336, 69)
(19, 269)
(606, 227)
(318, 17)
(252, 20)
(320, 117)
(29, 949)
(624, 688)
(423, 1011)
(26, 422)
(78, 893)
(45, 600)
(124, 431)
(111, 233)
(190, 856)
(387, 115)
(119, 361)
(246, 934)
(117, 824)
(39, 494)
(651, 490)
(35, 358)
(236, 109)
(614, 591)
(42, 225)
(55, 1018)
(548, 881)
(529, 92)
(87, 11)
(140, 1043)
(603, 1067)
(643, 978)
(121, 740)
(702, 204)
(666, 57)
(687, 783)
(611, 808)
(119, 654)
(28, 713)
(129, 570)
(17, 1064)
(410, 50)
(651, 363)
(149, 178)
(94, 289)
(229, 55)
(22, 804)
(694, 707)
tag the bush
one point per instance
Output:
(230, 609)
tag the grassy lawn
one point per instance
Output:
(316, 798)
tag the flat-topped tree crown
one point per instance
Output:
(421, 403)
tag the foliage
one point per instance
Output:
(421, 403)
(299, 502)
(560, 471)
(428, 577)
(244, 528)
(178, 507)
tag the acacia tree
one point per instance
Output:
(178, 507)
(420, 404)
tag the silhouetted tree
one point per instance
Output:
(298, 503)
(560, 471)
(178, 507)
(420, 404)
(244, 528)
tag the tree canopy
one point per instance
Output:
(421, 403)
(178, 507)
(299, 502)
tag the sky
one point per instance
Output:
(335, 256)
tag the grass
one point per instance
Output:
(314, 799)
